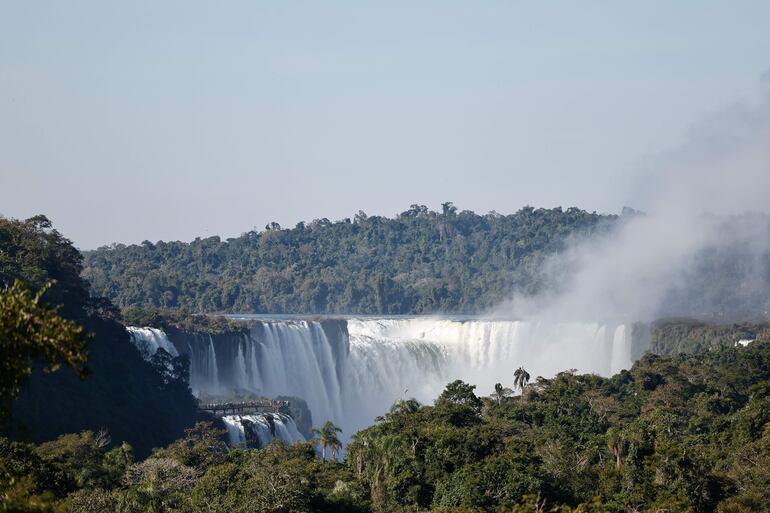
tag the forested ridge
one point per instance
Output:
(420, 261)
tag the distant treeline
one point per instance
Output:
(421, 261)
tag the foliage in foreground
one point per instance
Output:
(684, 433)
(687, 433)
(33, 332)
(122, 393)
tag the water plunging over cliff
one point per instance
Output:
(260, 428)
(149, 340)
(350, 371)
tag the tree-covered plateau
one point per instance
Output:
(421, 261)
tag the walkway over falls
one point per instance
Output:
(261, 406)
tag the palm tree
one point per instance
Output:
(327, 437)
(520, 380)
(335, 445)
(501, 393)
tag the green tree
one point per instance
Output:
(501, 393)
(458, 403)
(327, 438)
(202, 446)
(75, 461)
(405, 406)
(461, 394)
(117, 461)
(418, 262)
(520, 379)
(33, 332)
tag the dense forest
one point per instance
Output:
(122, 392)
(678, 433)
(421, 261)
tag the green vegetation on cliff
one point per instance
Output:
(121, 392)
(180, 319)
(418, 262)
(674, 336)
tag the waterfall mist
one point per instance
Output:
(703, 248)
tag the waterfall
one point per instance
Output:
(149, 340)
(213, 369)
(261, 428)
(350, 371)
(401, 358)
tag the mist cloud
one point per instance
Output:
(702, 249)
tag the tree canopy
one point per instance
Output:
(417, 262)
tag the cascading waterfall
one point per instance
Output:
(264, 427)
(149, 340)
(418, 357)
(350, 375)
(261, 428)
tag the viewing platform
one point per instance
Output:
(264, 406)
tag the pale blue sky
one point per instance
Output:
(125, 121)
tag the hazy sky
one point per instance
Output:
(125, 121)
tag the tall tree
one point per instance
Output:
(520, 379)
(327, 438)
(501, 393)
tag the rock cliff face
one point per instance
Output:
(123, 393)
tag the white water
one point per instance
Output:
(149, 340)
(392, 359)
(284, 428)
(351, 382)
